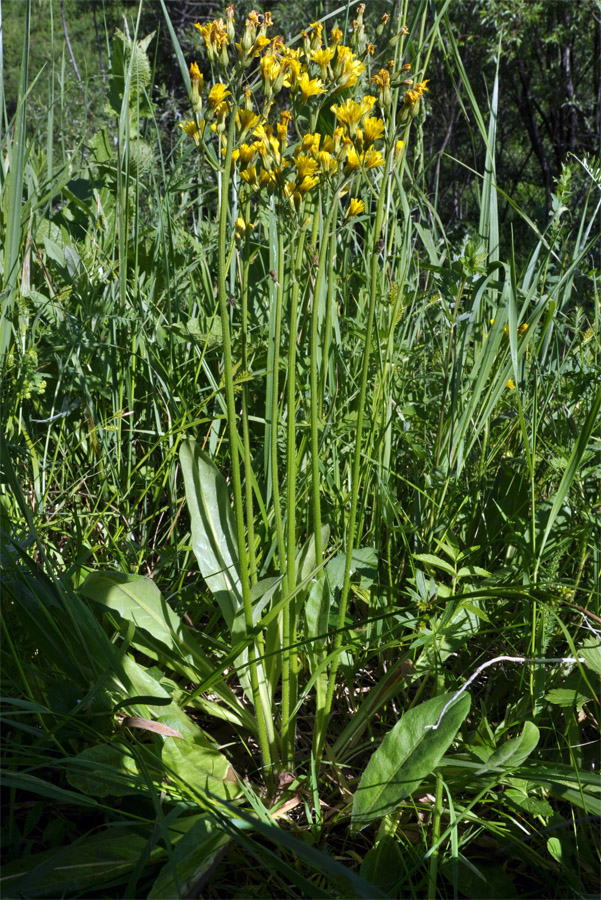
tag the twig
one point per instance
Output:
(491, 662)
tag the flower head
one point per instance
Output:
(355, 207)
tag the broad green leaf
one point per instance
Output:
(105, 770)
(198, 770)
(213, 528)
(435, 561)
(407, 755)
(535, 806)
(136, 599)
(192, 857)
(86, 863)
(513, 752)
(566, 697)
(590, 651)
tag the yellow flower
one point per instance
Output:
(335, 36)
(270, 69)
(350, 112)
(373, 129)
(510, 384)
(356, 207)
(309, 86)
(249, 175)
(282, 126)
(215, 37)
(305, 165)
(307, 184)
(322, 58)
(327, 163)
(310, 142)
(381, 78)
(352, 160)
(523, 328)
(191, 129)
(414, 94)
(398, 149)
(195, 73)
(372, 158)
(245, 120)
(246, 154)
(239, 227)
(217, 94)
(196, 86)
(259, 45)
(347, 67)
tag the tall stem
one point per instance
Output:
(313, 363)
(356, 471)
(279, 528)
(250, 525)
(233, 438)
(289, 660)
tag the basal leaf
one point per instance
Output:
(407, 755)
(513, 752)
(213, 528)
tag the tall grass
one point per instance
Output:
(378, 449)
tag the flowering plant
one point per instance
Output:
(315, 135)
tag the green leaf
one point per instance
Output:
(566, 697)
(590, 651)
(193, 856)
(200, 770)
(105, 770)
(136, 599)
(87, 863)
(407, 755)
(435, 561)
(213, 528)
(513, 752)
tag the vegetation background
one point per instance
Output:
(456, 452)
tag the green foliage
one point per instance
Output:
(237, 597)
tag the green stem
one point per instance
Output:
(356, 471)
(277, 338)
(233, 439)
(433, 870)
(289, 661)
(250, 525)
(316, 403)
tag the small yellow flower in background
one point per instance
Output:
(315, 35)
(523, 328)
(239, 228)
(370, 50)
(247, 153)
(510, 384)
(355, 207)
(347, 68)
(191, 129)
(309, 87)
(216, 40)
(350, 113)
(245, 120)
(413, 96)
(336, 36)
(307, 184)
(196, 74)
(217, 94)
(259, 45)
(249, 175)
(305, 165)
(372, 158)
(327, 163)
(398, 150)
(196, 86)
(373, 129)
(323, 58)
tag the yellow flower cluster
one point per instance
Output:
(321, 68)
